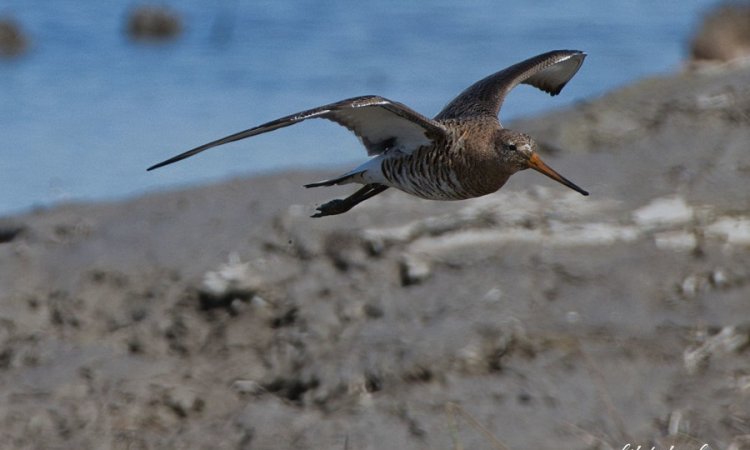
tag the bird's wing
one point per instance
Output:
(379, 123)
(549, 72)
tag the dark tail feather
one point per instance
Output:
(334, 181)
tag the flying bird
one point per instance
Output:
(464, 152)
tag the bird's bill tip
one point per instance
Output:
(536, 163)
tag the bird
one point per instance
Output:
(463, 152)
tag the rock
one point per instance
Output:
(719, 278)
(232, 283)
(414, 270)
(691, 285)
(494, 295)
(153, 23)
(345, 250)
(13, 41)
(724, 34)
(247, 387)
(730, 339)
(740, 443)
(9, 231)
(41, 424)
(183, 401)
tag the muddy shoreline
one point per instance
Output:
(224, 317)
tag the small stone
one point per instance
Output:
(494, 295)
(729, 340)
(247, 387)
(372, 311)
(345, 251)
(414, 270)
(689, 286)
(231, 276)
(470, 357)
(743, 384)
(676, 422)
(40, 425)
(232, 281)
(236, 306)
(740, 443)
(375, 245)
(183, 401)
(259, 302)
(573, 317)
(719, 278)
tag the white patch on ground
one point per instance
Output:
(663, 211)
(558, 234)
(230, 276)
(675, 240)
(735, 230)
(541, 218)
(565, 234)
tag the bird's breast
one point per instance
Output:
(452, 171)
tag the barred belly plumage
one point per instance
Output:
(425, 173)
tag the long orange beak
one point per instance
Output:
(536, 163)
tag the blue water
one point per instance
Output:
(86, 110)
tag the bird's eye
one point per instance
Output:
(512, 147)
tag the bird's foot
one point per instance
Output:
(336, 206)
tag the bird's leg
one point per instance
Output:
(340, 206)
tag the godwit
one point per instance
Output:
(463, 152)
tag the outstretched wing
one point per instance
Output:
(549, 72)
(379, 123)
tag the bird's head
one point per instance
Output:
(518, 151)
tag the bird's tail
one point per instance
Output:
(343, 179)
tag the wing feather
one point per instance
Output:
(379, 123)
(549, 72)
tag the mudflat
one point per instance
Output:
(534, 318)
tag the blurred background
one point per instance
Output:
(223, 317)
(90, 97)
